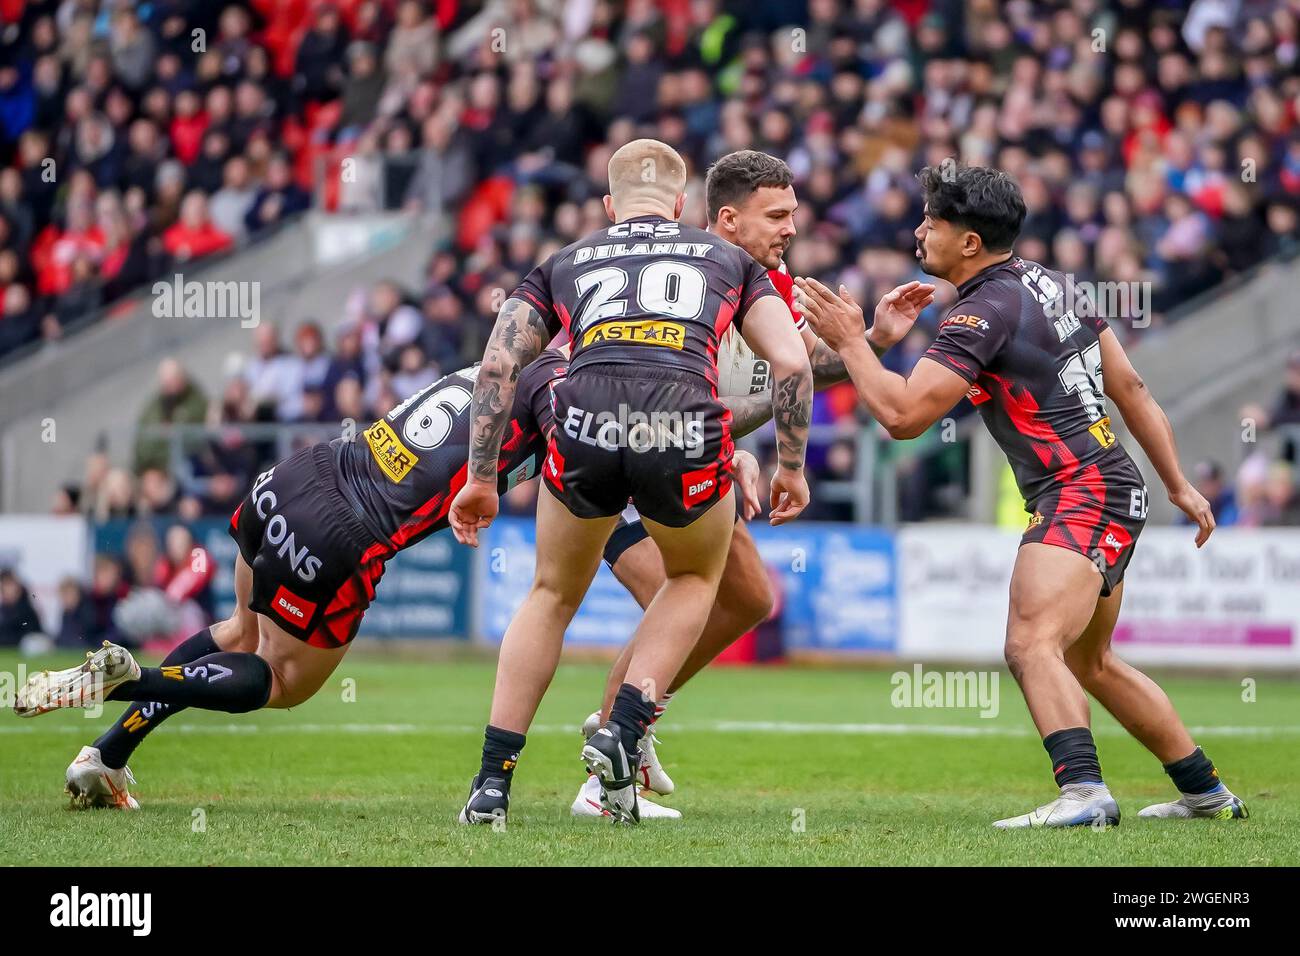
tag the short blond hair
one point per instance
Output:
(646, 171)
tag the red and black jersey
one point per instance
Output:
(648, 291)
(404, 470)
(1034, 367)
(783, 282)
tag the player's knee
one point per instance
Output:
(282, 691)
(233, 634)
(1089, 669)
(558, 596)
(1022, 649)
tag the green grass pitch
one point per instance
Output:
(779, 766)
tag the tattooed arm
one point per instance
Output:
(748, 411)
(827, 366)
(770, 334)
(518, 337)
(893, 319)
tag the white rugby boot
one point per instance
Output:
(91, 784)
(1218, 804)
(86, 685)
(1080, 804)
(587, 804)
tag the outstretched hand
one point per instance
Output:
(474, 507)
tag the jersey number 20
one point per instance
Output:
(673, 289)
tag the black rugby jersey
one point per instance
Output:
(406, 468)
(647, 291)
(1034, 367)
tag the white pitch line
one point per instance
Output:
(720, 727)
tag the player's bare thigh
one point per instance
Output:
(569, 549)
(745, 585)
(745, 588)
(1088, 656)
(701, 547)
(239, 632)
(1054, 593)
(640, 569)
(298, 670)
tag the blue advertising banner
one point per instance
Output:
(607, 617)
(425, 591)
(836, 583)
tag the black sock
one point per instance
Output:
(632, 714)
(228, 681)
(1195, 773)
(1074, 756)
(500, 753)
(118, 743)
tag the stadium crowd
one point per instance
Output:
(1156, 142)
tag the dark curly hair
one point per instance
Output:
(985, 201)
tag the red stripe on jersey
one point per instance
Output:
(1022, 409)
(543, 308)
(566, 320)
(1078, 510)
(783, 282)
(726, 312)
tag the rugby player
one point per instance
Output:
(644, 303)
(1033, 367)
(314, 535)
(750, 202)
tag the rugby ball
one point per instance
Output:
(740, 371)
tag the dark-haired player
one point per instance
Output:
(644, 302)
(1033, 367)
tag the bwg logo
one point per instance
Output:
(637, 430)
(304, 563)
(76, 909)
(179, 299)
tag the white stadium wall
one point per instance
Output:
(1234, 603)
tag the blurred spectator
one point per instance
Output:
(194, 235)
(177, 402)
(278, 199)
(17, 613)
(1207, 476)
(78, 624)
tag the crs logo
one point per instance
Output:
(648, 230)
(294, 609)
